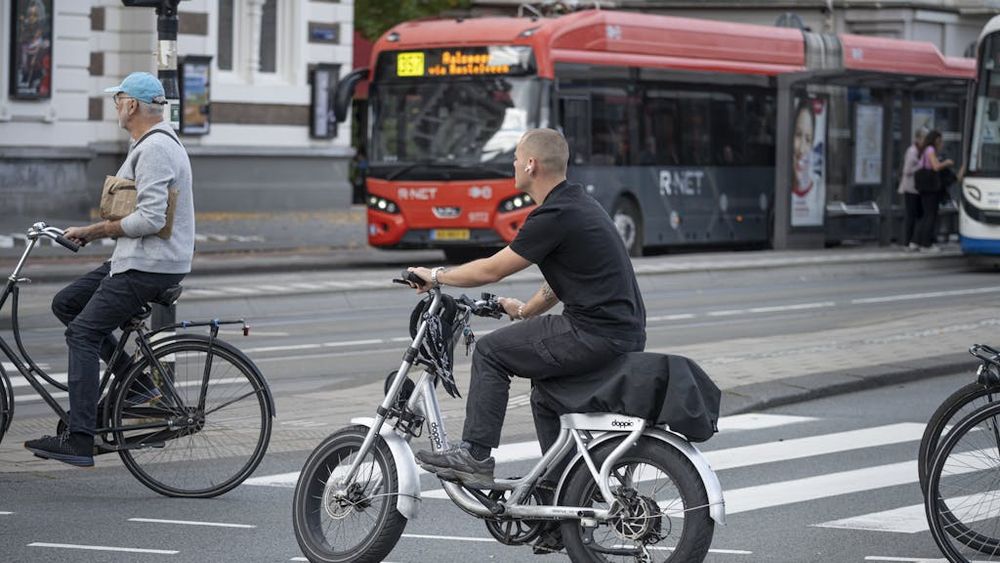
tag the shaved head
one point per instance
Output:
(548, 148)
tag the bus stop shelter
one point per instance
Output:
(862, 67)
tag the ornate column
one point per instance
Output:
(255, 14)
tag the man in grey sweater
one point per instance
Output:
(142, 266)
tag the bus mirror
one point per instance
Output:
(345, 92)
(993, 111)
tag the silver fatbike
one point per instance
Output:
(361, 484)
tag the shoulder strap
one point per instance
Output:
(144, 137)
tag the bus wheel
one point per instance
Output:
(629, 224)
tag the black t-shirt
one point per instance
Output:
(577, 247)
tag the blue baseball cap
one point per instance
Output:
(142, 86)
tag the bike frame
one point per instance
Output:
(577, 432)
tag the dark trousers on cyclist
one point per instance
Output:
(539, 348)
(92, 308)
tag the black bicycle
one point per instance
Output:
(190, 416)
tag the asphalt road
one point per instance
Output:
(820, 498)
(317, 340)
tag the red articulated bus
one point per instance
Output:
(671, 122)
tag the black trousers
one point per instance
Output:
(538, 348)
(927, 226)
(913, 212)
(92, 307)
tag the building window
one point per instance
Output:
(269, 37)
(225, 56)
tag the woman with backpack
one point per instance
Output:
(927, 180)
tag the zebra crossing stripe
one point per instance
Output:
(912, 519)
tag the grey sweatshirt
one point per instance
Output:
(157, 164)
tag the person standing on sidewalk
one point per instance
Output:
(911, 197)
(930, 200)
(141, 267)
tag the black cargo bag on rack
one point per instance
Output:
(662, 388)
(437, 353)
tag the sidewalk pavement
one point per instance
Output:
(754, 373)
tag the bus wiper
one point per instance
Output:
(403, 170)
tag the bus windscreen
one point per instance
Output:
(503, 60)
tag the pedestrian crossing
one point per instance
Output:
(770, 459)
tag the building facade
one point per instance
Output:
(256, 77)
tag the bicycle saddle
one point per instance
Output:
(168, 296)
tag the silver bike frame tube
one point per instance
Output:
(390, 396)
(24, 258)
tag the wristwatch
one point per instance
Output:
(434, 276)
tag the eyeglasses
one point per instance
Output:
(117, 98)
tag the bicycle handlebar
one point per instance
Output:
(42, 230)
(486, 306)
(986, 353)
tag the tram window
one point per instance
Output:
(758, 126)
(726, 137)
(985, 154)
(658, 119)
(576, 128)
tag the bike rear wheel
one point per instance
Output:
(956, 407)
(963, 486)
(206, 450)
(339, 522)
(666, 516)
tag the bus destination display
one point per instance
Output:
(464, 61)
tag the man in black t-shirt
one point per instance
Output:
(586, 266)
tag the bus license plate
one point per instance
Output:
(450, 234)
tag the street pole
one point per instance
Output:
(166, 66)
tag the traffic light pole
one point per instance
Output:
(166, 66)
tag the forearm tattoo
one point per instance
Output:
(548, 294)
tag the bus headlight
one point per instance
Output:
(382, 204)
(519, 201)
(974, 192)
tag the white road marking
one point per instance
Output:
(793, 307)
(190, 523)
(354, 343)
(927, 295)
(104, 548)
(913, 519)
(282, 348)
(758, 421)
(63, 395)
(239, 290)
(19, 381)
(6, 513)
(677, 317)
(450, 538)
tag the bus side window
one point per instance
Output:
(576, 128)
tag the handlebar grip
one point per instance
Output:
(407, 277)
(66, 243)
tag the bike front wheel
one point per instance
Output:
(199, 426)
(665, 508)
(340, 521)
(953, 409)
(6, 402)
(962, 488)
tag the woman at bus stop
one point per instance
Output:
(802, 145)
(911, 197)
(930, 200)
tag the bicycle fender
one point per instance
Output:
(716, 502)
(408, 499)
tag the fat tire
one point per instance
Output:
(389, 524)
(944, 416)
(243, 367)
(976, 541)
(699, 527)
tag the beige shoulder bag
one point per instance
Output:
(118, 197)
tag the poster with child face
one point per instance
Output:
(809, 162)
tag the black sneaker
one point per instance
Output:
(73, 448)
(457, 464)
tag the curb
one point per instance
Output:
(759, 396)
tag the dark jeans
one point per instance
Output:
(538, 348)
(92, 308)
(927, 226)
(914, 211)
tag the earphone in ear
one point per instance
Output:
(527, 169)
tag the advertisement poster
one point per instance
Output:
(322, 124)
(195, 105)
(921, 117)
(31, 49)
(809, 162)
(868, 144)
